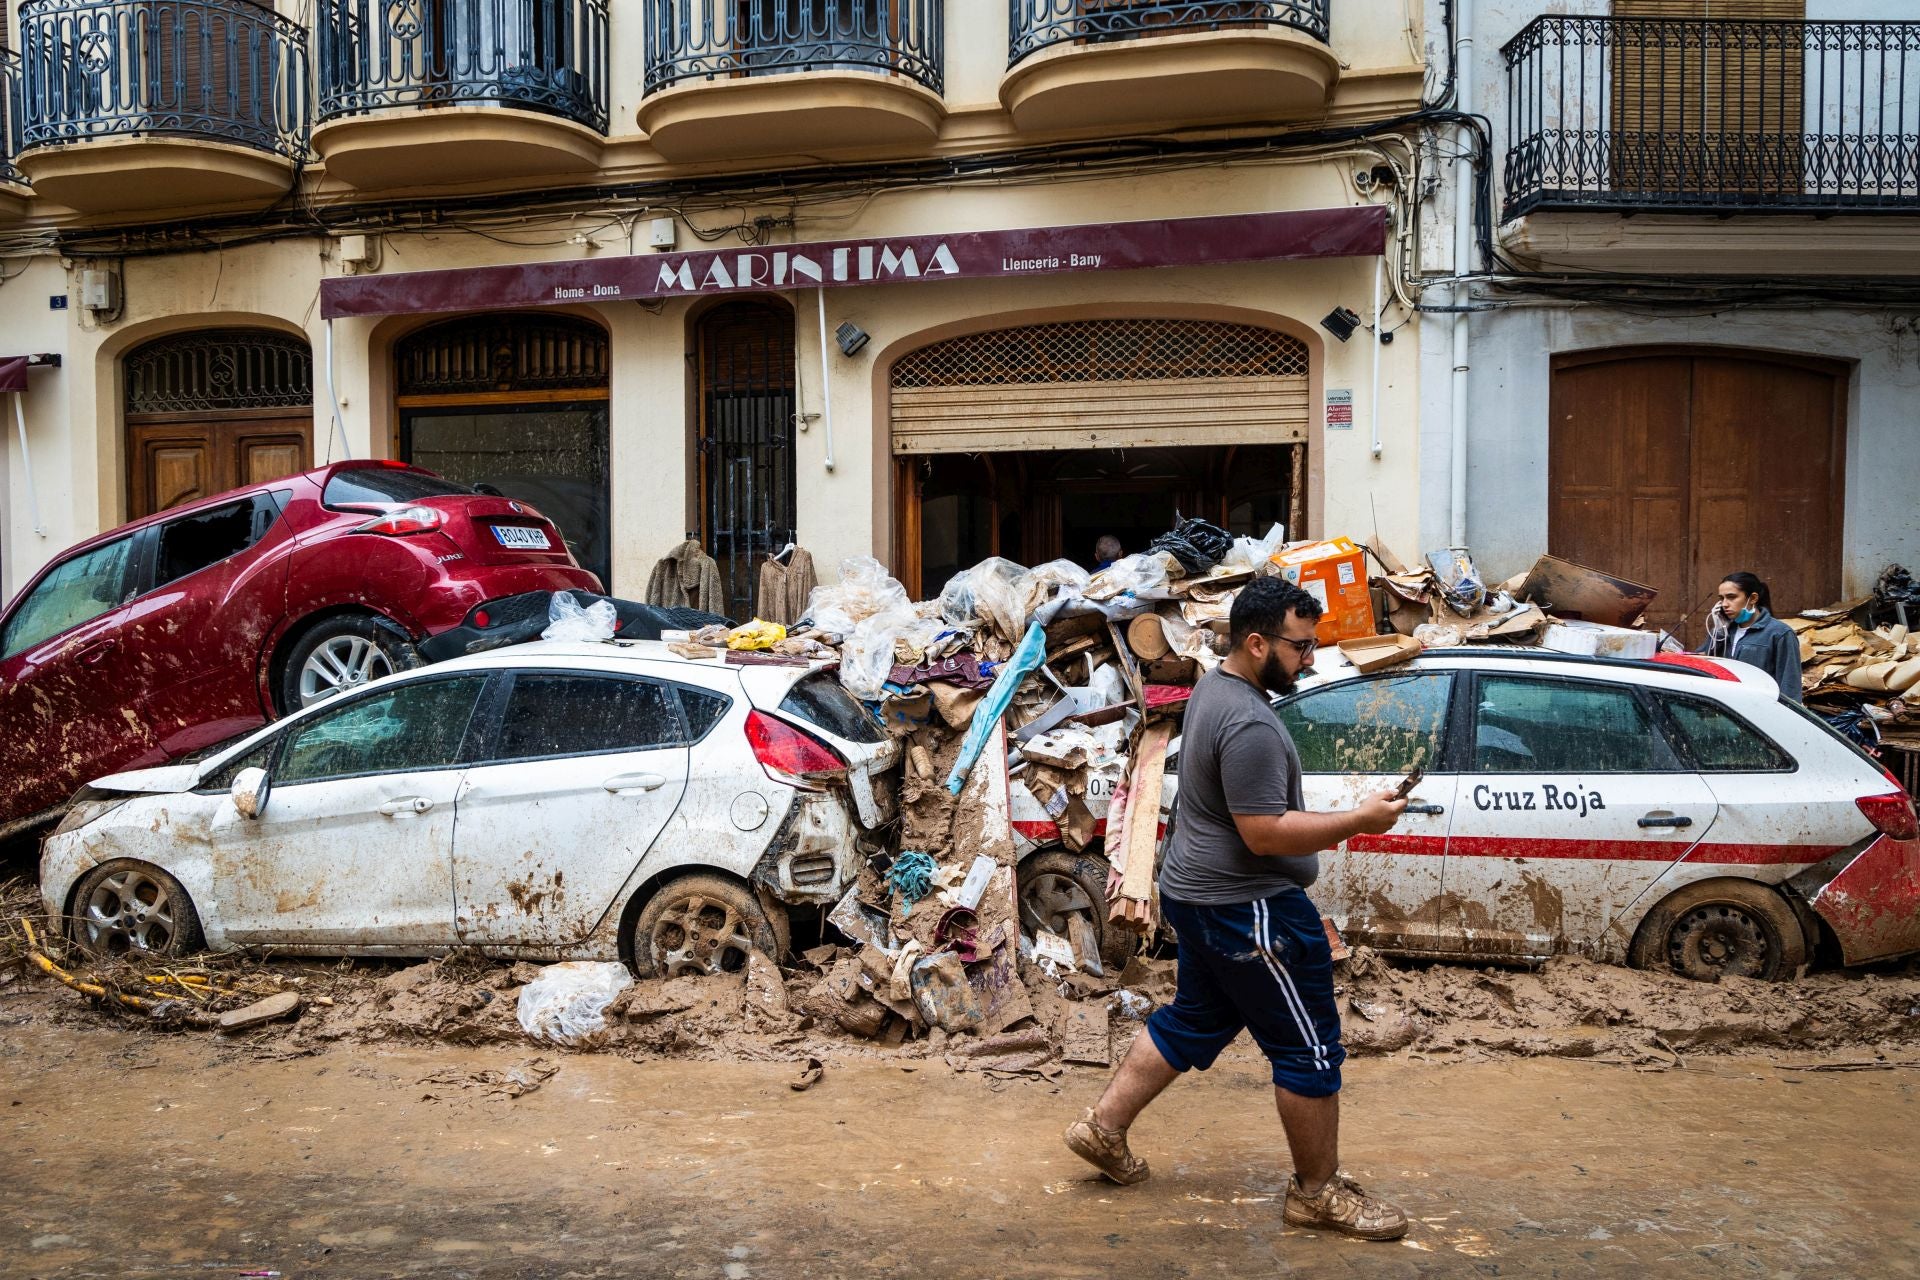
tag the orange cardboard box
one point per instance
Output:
(1333, 572)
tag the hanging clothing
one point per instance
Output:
(784, 588)
(687, 578)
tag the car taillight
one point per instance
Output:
(481, 618)
(1891, 815)
(788, 754)
(404, 520)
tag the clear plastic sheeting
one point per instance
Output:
(864, 590)
(988, 597)
(1143, 577)
(1254, 553)
(567, 1003)
(567, 620)
(874, 645)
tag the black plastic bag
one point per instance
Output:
(1196, 544)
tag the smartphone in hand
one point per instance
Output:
(1408, 783)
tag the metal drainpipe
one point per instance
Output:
(1462, 293)
(826, 375)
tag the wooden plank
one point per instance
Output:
(1143, 827)
(1086, 1036)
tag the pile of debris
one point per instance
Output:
(1556, 604)
(1859, 657)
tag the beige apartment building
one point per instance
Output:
(928, 281)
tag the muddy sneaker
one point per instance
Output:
(1106, 1150)
(1342, 1206)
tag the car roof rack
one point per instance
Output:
(1535, 653)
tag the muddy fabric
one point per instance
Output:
(1265, 966)
(784, 588)
(687, 578)
(1235, 757)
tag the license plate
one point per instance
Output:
(519, 536)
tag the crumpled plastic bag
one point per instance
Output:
(566, 620)
(566, 1004)
(755, 635)
(865, 589)
(1253, 553)
(1142, 576)
(1195, 543)
(1043, 583)
(1460, 581)
(867, 655)
(989, 596)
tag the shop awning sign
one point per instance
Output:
(13, 373)
(911, 259)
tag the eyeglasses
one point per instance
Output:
(1304, 647)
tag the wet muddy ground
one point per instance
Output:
(134, 1154)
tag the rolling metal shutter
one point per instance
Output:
(1101, 384)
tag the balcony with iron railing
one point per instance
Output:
(731, 78)
(419, 92)
(1724, 115)
(138, 105)
(12, 184)
(1101, 64)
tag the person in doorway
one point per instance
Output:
(1252, 951)
(1106, 550)
(1741, 625)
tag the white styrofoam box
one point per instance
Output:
(1598, 641)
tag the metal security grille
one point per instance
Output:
(219, 369)
(1102, 384)
(746, 441)
(9, 111)
(708, 39)
(1104, 351)
(503, 353)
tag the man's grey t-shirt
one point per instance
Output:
(1235, 757)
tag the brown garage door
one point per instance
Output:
(1676, 466)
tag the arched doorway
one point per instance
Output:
(746, 378)
(1672, 466)
(212, 410)
(1034, 441)
(517, 402)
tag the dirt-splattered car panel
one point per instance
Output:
(520, 801)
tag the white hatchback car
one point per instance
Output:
(1674, 814)
(548, 800)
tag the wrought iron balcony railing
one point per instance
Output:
(719, 39)
(536, 55)
(1038, 24)
(220, 70)
(1721, 114)
(9, 115)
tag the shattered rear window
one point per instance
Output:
(703, 709)
(819, 700)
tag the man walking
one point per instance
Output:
(1252, 950)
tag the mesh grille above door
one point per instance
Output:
(1101, 384)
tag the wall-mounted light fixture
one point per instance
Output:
(1341, 322)
(851, 337)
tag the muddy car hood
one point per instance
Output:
(166, 778)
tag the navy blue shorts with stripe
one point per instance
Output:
(1263, 965)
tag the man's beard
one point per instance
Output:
(1274, 677)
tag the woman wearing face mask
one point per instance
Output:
(1742, 626)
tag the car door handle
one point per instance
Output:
(634, 782)
(406, 804)
(95, 656)
(1418, 807)
(1672, 820)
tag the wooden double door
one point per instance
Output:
(1676, 466)
(194, 455)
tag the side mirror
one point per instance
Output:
(249, 792)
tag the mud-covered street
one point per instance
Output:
(134, 1153)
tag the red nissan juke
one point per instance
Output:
(178, 631)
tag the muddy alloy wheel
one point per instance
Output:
(1056, 885)
(1722, 928)
(700, 925)
(339, 655)
(129, 907)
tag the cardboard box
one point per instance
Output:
(1375, 652)
(1568, 590)
(1596, 641)
(1334, 573)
